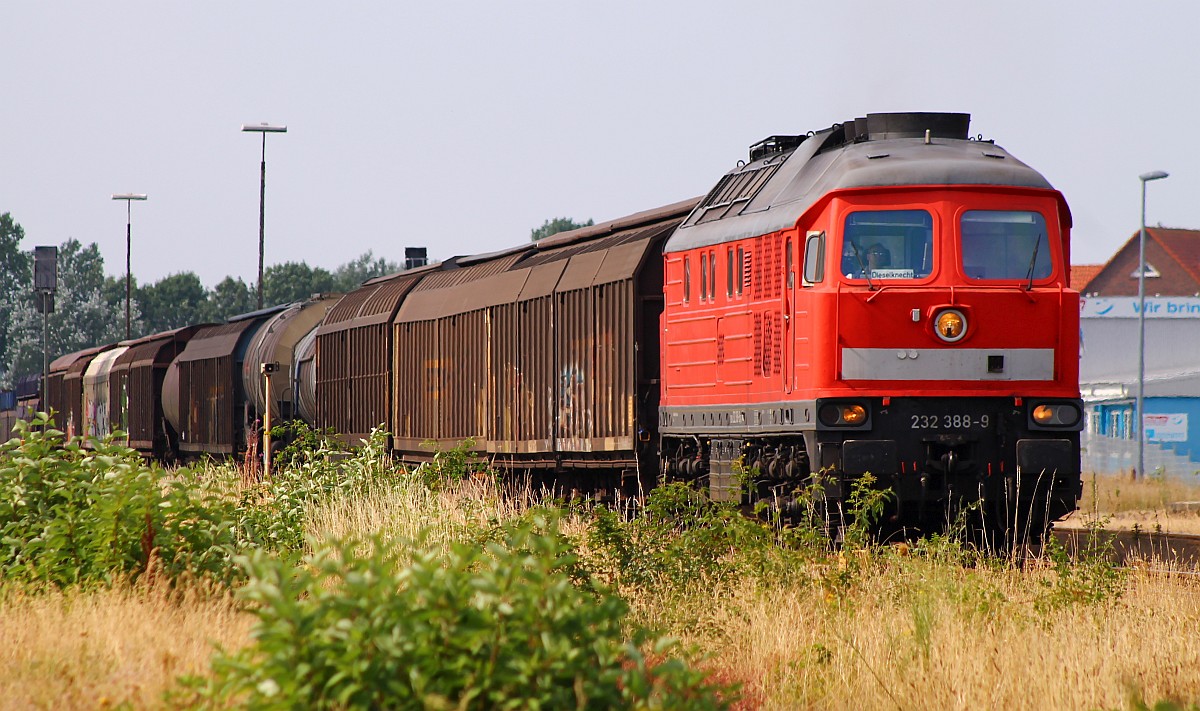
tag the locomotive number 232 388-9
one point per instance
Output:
(949, 422)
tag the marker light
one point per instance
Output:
(1056, 414)
(843, 414)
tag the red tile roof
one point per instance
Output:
(1081, 274)
(1182, 245)
(1172, 260)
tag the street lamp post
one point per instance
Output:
(128, 198)
(264, 129)
(1141, 420)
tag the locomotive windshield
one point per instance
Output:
(1005, 245)
(888, 244)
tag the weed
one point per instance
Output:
(1091, 579)
(449, 465)
(70, 515)
(410, 625)
(302, 444)
(865, 504)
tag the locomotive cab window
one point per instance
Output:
(1003, 245)
(887, 244)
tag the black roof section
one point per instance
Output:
(787, 175)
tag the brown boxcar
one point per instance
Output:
(203, 397)
(545, 355)
(442, 360)
(137, 377)
(65, 388)
(353, 368)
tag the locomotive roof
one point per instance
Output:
(788, 175)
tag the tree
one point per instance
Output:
(15, 275)
(114, 295)
(352, 274)
(173, 302)
(294, 281)
(229, 298)
(558, 224)
(83, 316)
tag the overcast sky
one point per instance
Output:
(462, 125)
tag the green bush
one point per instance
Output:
(1091, 578)
(463, 627)
(70, 515)
(273, 514)
(682, 538)
(297, 443)
(450, 465)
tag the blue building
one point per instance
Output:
(1172, 423)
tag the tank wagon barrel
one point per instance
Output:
(276, 342)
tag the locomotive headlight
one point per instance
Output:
(854, 414)
(1043, 414)
(950, 325)
(1055, 414)
(842, 414)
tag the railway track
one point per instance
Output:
(1125, 547)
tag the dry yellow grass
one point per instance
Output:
(901, 633)
(89, 650)
(906, 633)
(1149, 503)
(403, 511)
(920, 636)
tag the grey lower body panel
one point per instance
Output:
(940, 364)
(761, 418)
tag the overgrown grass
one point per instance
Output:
(349, 582)
(1149, 503)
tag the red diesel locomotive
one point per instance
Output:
(889, 297)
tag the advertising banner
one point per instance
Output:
(1171, 427)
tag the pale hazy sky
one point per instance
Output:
(461, 125)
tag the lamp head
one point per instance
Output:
(1153, 175)
(263, 128)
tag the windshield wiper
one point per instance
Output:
(862, 267)
(1032, 262)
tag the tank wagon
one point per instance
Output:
(885, 296)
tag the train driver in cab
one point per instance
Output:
(858, 261)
